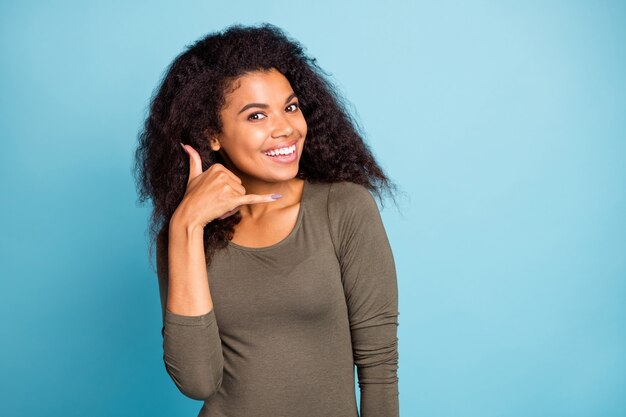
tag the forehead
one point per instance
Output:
(258, 86)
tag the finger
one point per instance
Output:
(258, 198)
(237, 187)
(229, 172)
(230, 213)
(251, 199)
(195, 162)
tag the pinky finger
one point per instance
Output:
(230, 213)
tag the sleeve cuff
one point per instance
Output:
(203, 320)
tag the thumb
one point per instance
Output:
(195, 162)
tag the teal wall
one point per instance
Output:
(503, 122)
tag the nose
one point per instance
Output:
(282, 127)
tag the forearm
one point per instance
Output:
(192, 349)
(377, 367)
(188, 287)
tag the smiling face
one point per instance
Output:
(262, 113)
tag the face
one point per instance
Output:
(262, 113)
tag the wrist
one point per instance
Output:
(181, 221)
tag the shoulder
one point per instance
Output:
(348, 198)
(346, 192)
(354, 218)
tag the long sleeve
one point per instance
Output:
(192, 350)
(370, 286)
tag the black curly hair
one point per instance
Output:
(186, 106)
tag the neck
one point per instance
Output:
(291, 191)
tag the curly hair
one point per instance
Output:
(186, 106)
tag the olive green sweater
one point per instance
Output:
(291, 320)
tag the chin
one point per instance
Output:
(286, 175)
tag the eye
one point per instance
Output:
(297, 105)
(251, 117)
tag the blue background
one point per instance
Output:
(503, 122)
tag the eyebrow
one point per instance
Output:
(263, 105)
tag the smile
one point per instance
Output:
(286, 155)
(282, 151)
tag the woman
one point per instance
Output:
(275, 272)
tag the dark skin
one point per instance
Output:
(245, 183)
(244, 138)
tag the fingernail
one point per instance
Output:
(185, 149)
(276, 196)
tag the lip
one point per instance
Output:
(282, 145)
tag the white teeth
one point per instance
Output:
(282, 151)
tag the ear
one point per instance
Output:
(214, 141)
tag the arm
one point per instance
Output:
(370, 286)
(192, 350)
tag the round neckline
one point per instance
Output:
(286, 238)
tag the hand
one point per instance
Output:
(214, 193)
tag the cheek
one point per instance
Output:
(251, 137)
(302, 126)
